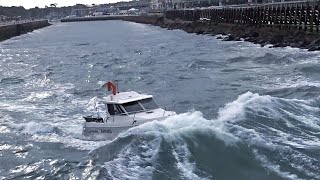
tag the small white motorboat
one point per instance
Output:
(124, 110)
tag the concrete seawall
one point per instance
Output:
(139, 19)
(92, 18)
(11, 30)
(144, 19)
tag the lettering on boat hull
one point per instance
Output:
(92, 131)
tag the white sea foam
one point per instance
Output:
(70, 136)
(306, 119)
(101, 83)
(4, 129)
(235, 110)
(15, 106)
(175, 128)
(70, 141)
(182, 155)
(274, 167)
(130, 162)
(272, 139)
(185, 124)
(295, 82)
(39, 95)
(33, 127)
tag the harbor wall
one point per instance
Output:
(151, 19)
(11, 30)
(294, 24)
(279, 25)
(300, 15)
(92, 18)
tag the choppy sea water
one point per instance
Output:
(244, 112)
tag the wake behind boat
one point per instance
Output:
(124, 110)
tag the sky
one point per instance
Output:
(42, 3)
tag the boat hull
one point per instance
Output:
(111, 127)
(104, 132)
(111, 130)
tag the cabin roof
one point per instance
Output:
(125, 97)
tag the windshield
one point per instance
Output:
(148, 104)
(132, 107)
(114, 109)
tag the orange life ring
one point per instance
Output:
(112, 87)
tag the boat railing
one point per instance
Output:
(134, 121)
(169, 107)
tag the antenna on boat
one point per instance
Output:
(98, 113)
(117, 85)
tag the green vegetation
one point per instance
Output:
(14, 11)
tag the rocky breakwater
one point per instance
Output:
(277, 37)
(259, 35)
(153, 19)
(15, 29)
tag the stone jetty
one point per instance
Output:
(12, 29)
(92, 18)
(294, 24)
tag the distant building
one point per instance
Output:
(7, 19)
(97, 13)
(131, 7)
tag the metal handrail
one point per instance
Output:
(134, 121)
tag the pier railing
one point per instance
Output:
(301, 15)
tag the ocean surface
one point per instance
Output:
(244, 112)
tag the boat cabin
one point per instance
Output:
(126, 103)
(128, 107)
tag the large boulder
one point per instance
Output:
(263, 43)
(237, 39)
(254, 34)
(276, 39)
(230, 37)
(314, 43)
(247, 39)
(199, 32)
(314, 48)
(303, 44)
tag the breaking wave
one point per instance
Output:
(251, 126)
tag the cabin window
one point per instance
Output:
(132, 107)
(148, 104)
(119, 109)
(115, 109)
(111, 109)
